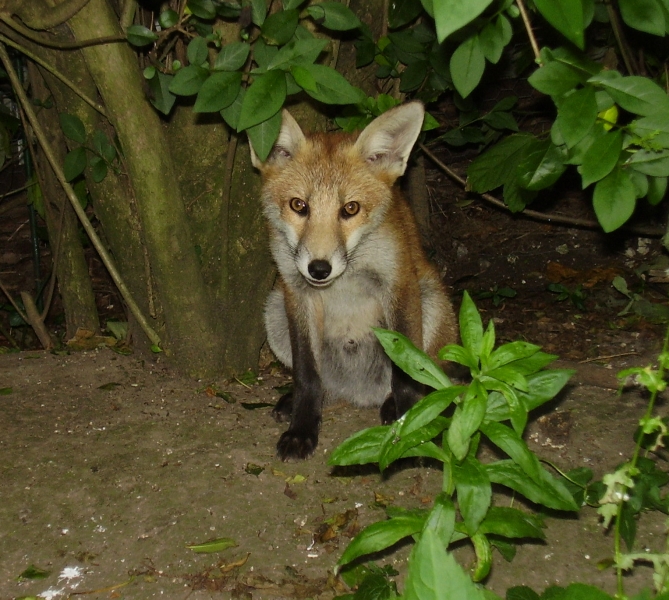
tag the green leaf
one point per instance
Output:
(451, 15)
(471, 326)
(436, 575)
(441, 519)
(217, 545)
(512, 523)
(650, 162)
(413, 76)
(511, 352)
(197, 51)
(395, 446)
(231, 113)
(33, 572)
(72, 127)
(204, 9)
(614, 199)
(601, 157)
(232, 56)
(297, 52)
(279, 27)
(361, 448)
(168, 18)
(188, 80)
(555, 79)
(467, 65)
(414, 362)
(657, 188)
(218, 92)
(263, 99)
(331, 87)
(494, 37)
(98, 169)
(467, 419)
(577, 113)
(550, 493)
(544, 386)
(264, 135)
(74, 163)
(379, 536)
(102, 146)
(460, 355)
(474, 492)
(566, 16)
(333, 15)
(6, 391)
(635, 94)
(139, 36)
(161, 97)
(643, 15)
(497, 166)
(507, 440)
(258, 12)
(402, 12)
(542, 165)
(426, 410)
(653, 128)
(483, 551)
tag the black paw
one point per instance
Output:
(297, 444)
(389, 411)
(283, 409)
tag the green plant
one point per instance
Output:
(576, 295)
(507, 383)
(498, 294)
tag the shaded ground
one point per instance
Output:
(111, 466)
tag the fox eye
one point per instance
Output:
(299, 206)
(350, 209)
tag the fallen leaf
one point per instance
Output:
(217, 545)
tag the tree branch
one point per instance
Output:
(55, 72)
(95, 240)
(37, 14)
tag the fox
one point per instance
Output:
(349, 258)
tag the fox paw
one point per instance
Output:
(297, 444)
(388, 411)
(283, 410)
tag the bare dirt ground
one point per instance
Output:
(110, 466)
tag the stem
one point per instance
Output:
(45, 65)
(619, 34)
(528, 28)
(635, 457)
(97, 243)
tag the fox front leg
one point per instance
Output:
(304, 404)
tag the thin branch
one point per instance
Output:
(528, 29)
(58, 44)
(95, 240)
(539, 216)
(619, 34)
(55, 72)
(5, 291)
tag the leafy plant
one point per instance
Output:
(507, 382)
(576, 295)
(498, 295)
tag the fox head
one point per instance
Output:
(324, 193)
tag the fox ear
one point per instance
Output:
(287, 144)
(387, 141)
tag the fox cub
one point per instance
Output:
(349, 257)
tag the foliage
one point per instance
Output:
(507, 382)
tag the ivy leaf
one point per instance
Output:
(72, 127)
(264, 135)
(232, 56)
(451, 15)
(204, 9)
(188, 80)
(330, 88)
(139, 36)
(263, 99)
(335, 16)
(467, 65)
(161, 97)
(643, 15)
(218, 92)
(74, 163)
(566, 16)
(279, 27)
(297, 52)
(614, 199)
(601, 157)
(635, 94)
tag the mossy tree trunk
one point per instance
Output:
(181, 215)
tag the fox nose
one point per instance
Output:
(320, 269)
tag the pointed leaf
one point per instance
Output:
(232, 57)
(139, 36)
(361, 448)
(643, 15)
(577, 113)
(566, 16)
(72, 127)
(614, 200)
(474, 492)
(188, 80)
(471, 326)
(297, 52)
(451, 15)
(635, 94)
(512, 523)
(331, 87)
(336, 16)
(467, 65)
(74, 163)
(507, 440)
(263, 99)
(218, 92)
(601, 157)
(264, 135)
